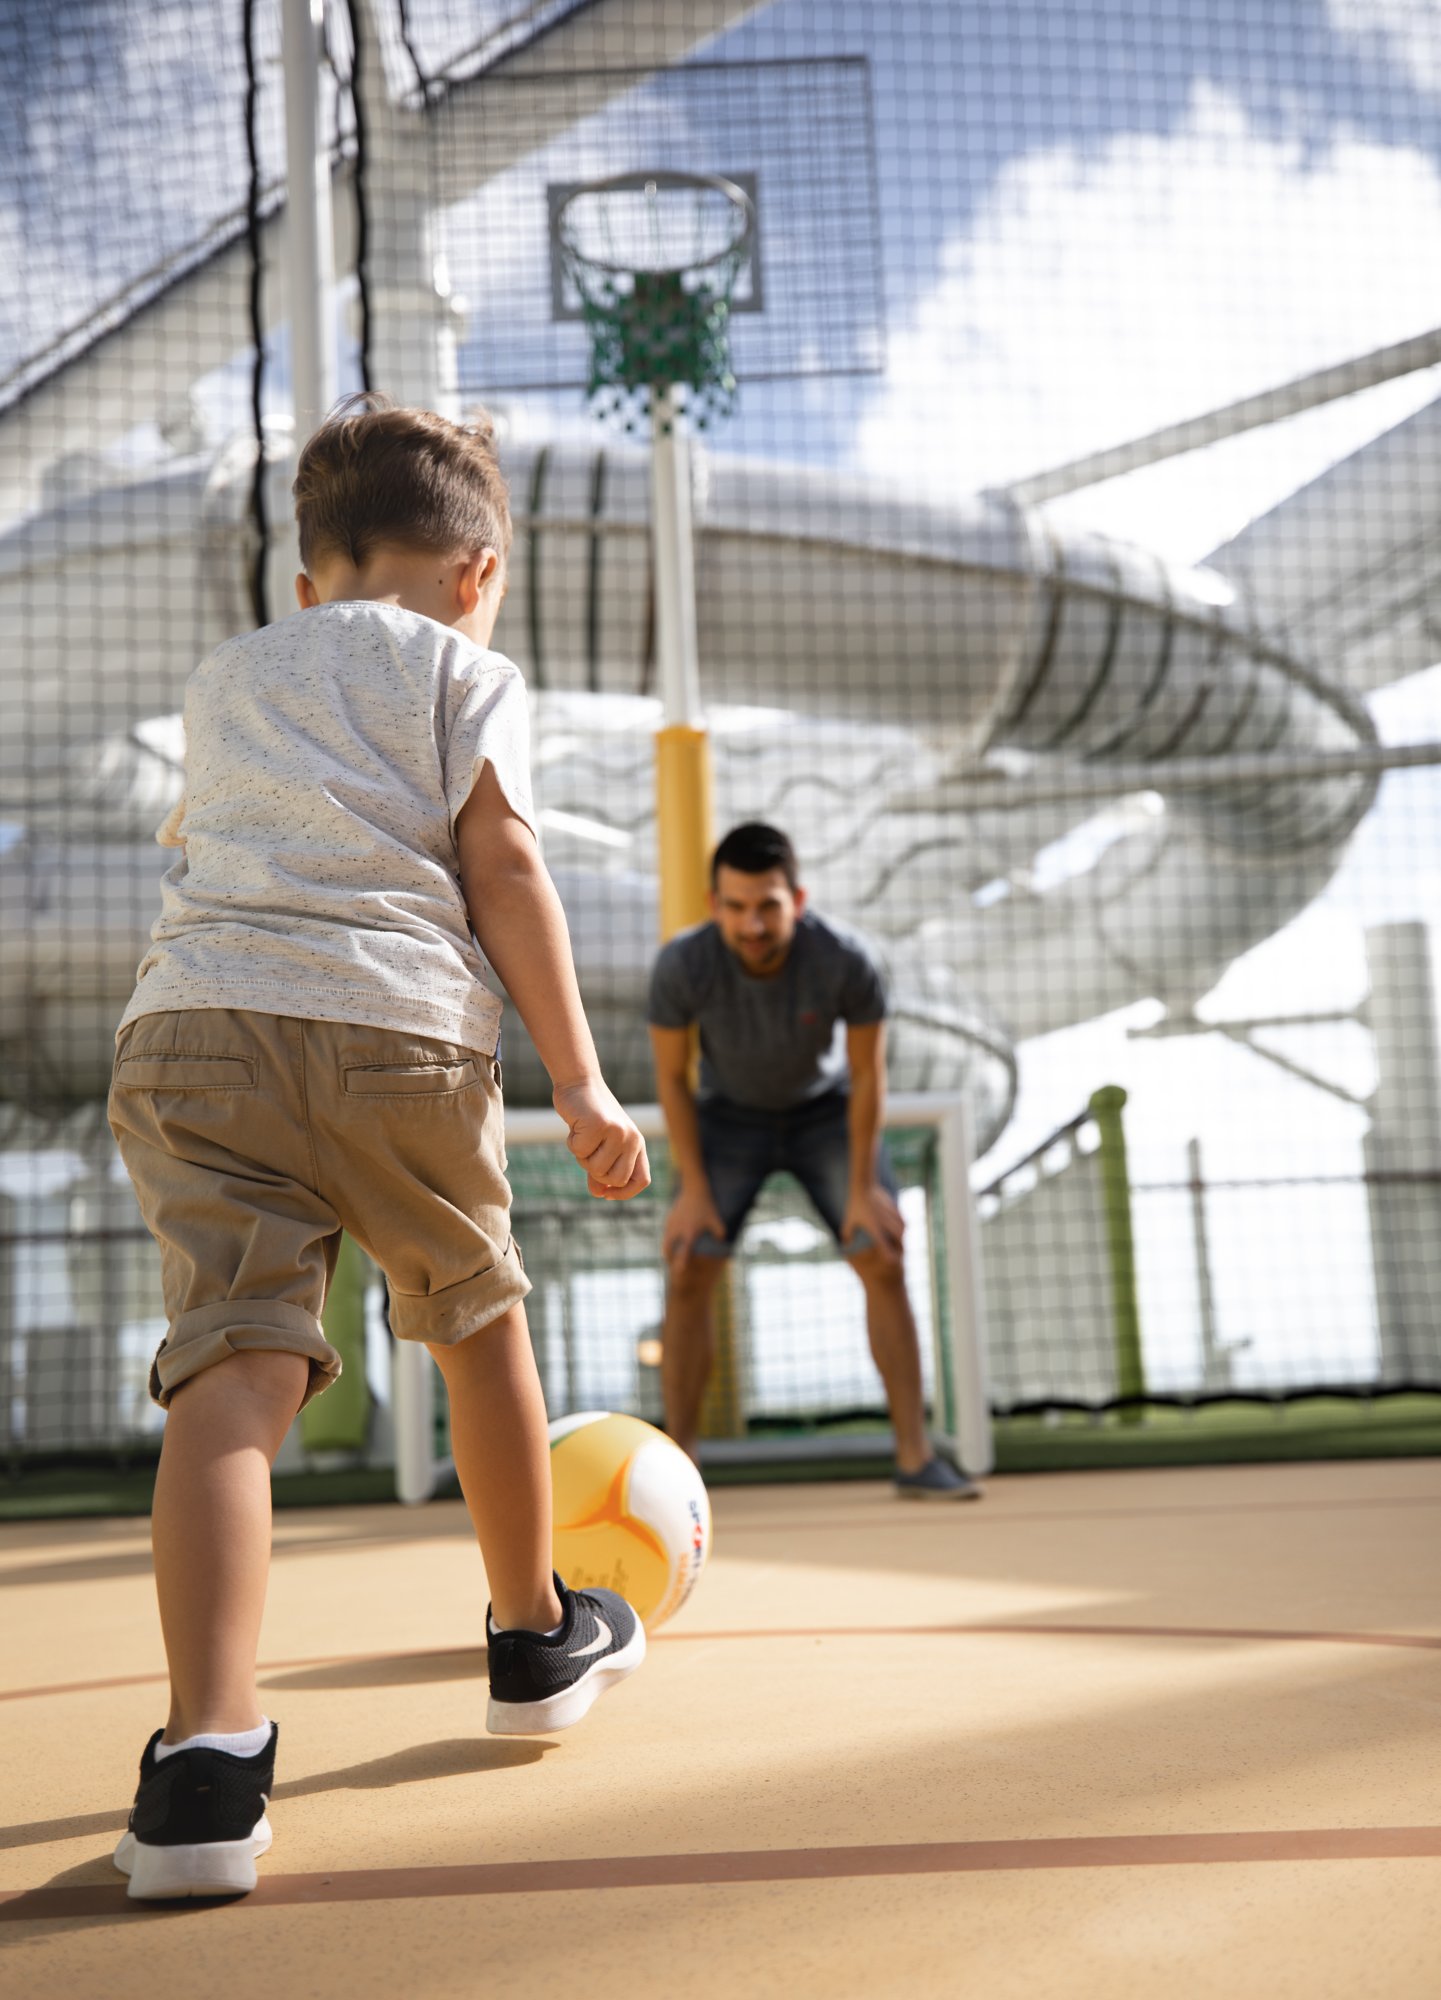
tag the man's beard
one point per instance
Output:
(764, 951)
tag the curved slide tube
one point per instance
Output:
(897, 644)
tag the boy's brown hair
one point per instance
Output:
(375, 474)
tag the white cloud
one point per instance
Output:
(1100, 294)
(1408, 30)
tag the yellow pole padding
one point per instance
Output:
(684, 792)
(683, 796)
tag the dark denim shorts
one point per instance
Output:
(742, 1148)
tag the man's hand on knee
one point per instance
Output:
(693, 1213)
(873, 1228)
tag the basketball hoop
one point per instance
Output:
(654, 259)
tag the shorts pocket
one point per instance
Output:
(176, 1071)
(436, 1079)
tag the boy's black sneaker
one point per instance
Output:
(539, 1683)
(198, 1822)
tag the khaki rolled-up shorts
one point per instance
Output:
(253, 1140)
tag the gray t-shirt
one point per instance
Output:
(769, 1044)
(327, 759)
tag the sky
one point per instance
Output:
(1094, 218)
(1098, 218)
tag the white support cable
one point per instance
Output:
(985, 791)
(1270, 406)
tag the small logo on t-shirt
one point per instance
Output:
(809, 1017)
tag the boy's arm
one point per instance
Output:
(518, 920)
(694, 1211)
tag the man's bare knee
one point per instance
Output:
(878, 1273)
(693, 1282)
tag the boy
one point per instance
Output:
(783, 1087)
(310, 1048)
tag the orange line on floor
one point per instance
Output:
(1258, 1635)
(804, 1864)
(942, 1514)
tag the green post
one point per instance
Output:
(340, 1419)
(1106, 1106)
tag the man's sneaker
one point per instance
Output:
(198, 1822)
(936, 1480)
(539, 1683)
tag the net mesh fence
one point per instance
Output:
(1066, 587)
(599, 1297)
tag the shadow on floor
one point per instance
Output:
(101, 1566)
(452, 1663)
(455, 1757)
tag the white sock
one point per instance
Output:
(554, 1632)
(246, 1743)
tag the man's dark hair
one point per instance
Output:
(755, 849)
(374, 474)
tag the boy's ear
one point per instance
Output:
(476, 575)
(306, 595)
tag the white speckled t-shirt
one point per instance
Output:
(327, 759)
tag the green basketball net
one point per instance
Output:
(655, 259)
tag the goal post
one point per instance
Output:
(598, 1271)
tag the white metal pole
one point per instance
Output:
(974, 1446)
(1402, 1150)
(1215, 1362)
(412, 1388)
(417, 322)
(309, 253)
(672, 540)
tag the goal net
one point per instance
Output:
(793, 1377)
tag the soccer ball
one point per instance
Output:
(631, 1512)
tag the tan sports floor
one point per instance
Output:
(1155, 1734)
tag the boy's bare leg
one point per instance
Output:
(501, 1443)
(686, 1343)
(896, 1350)
(210, 1532)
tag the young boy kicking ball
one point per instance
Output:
(310, 1048)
